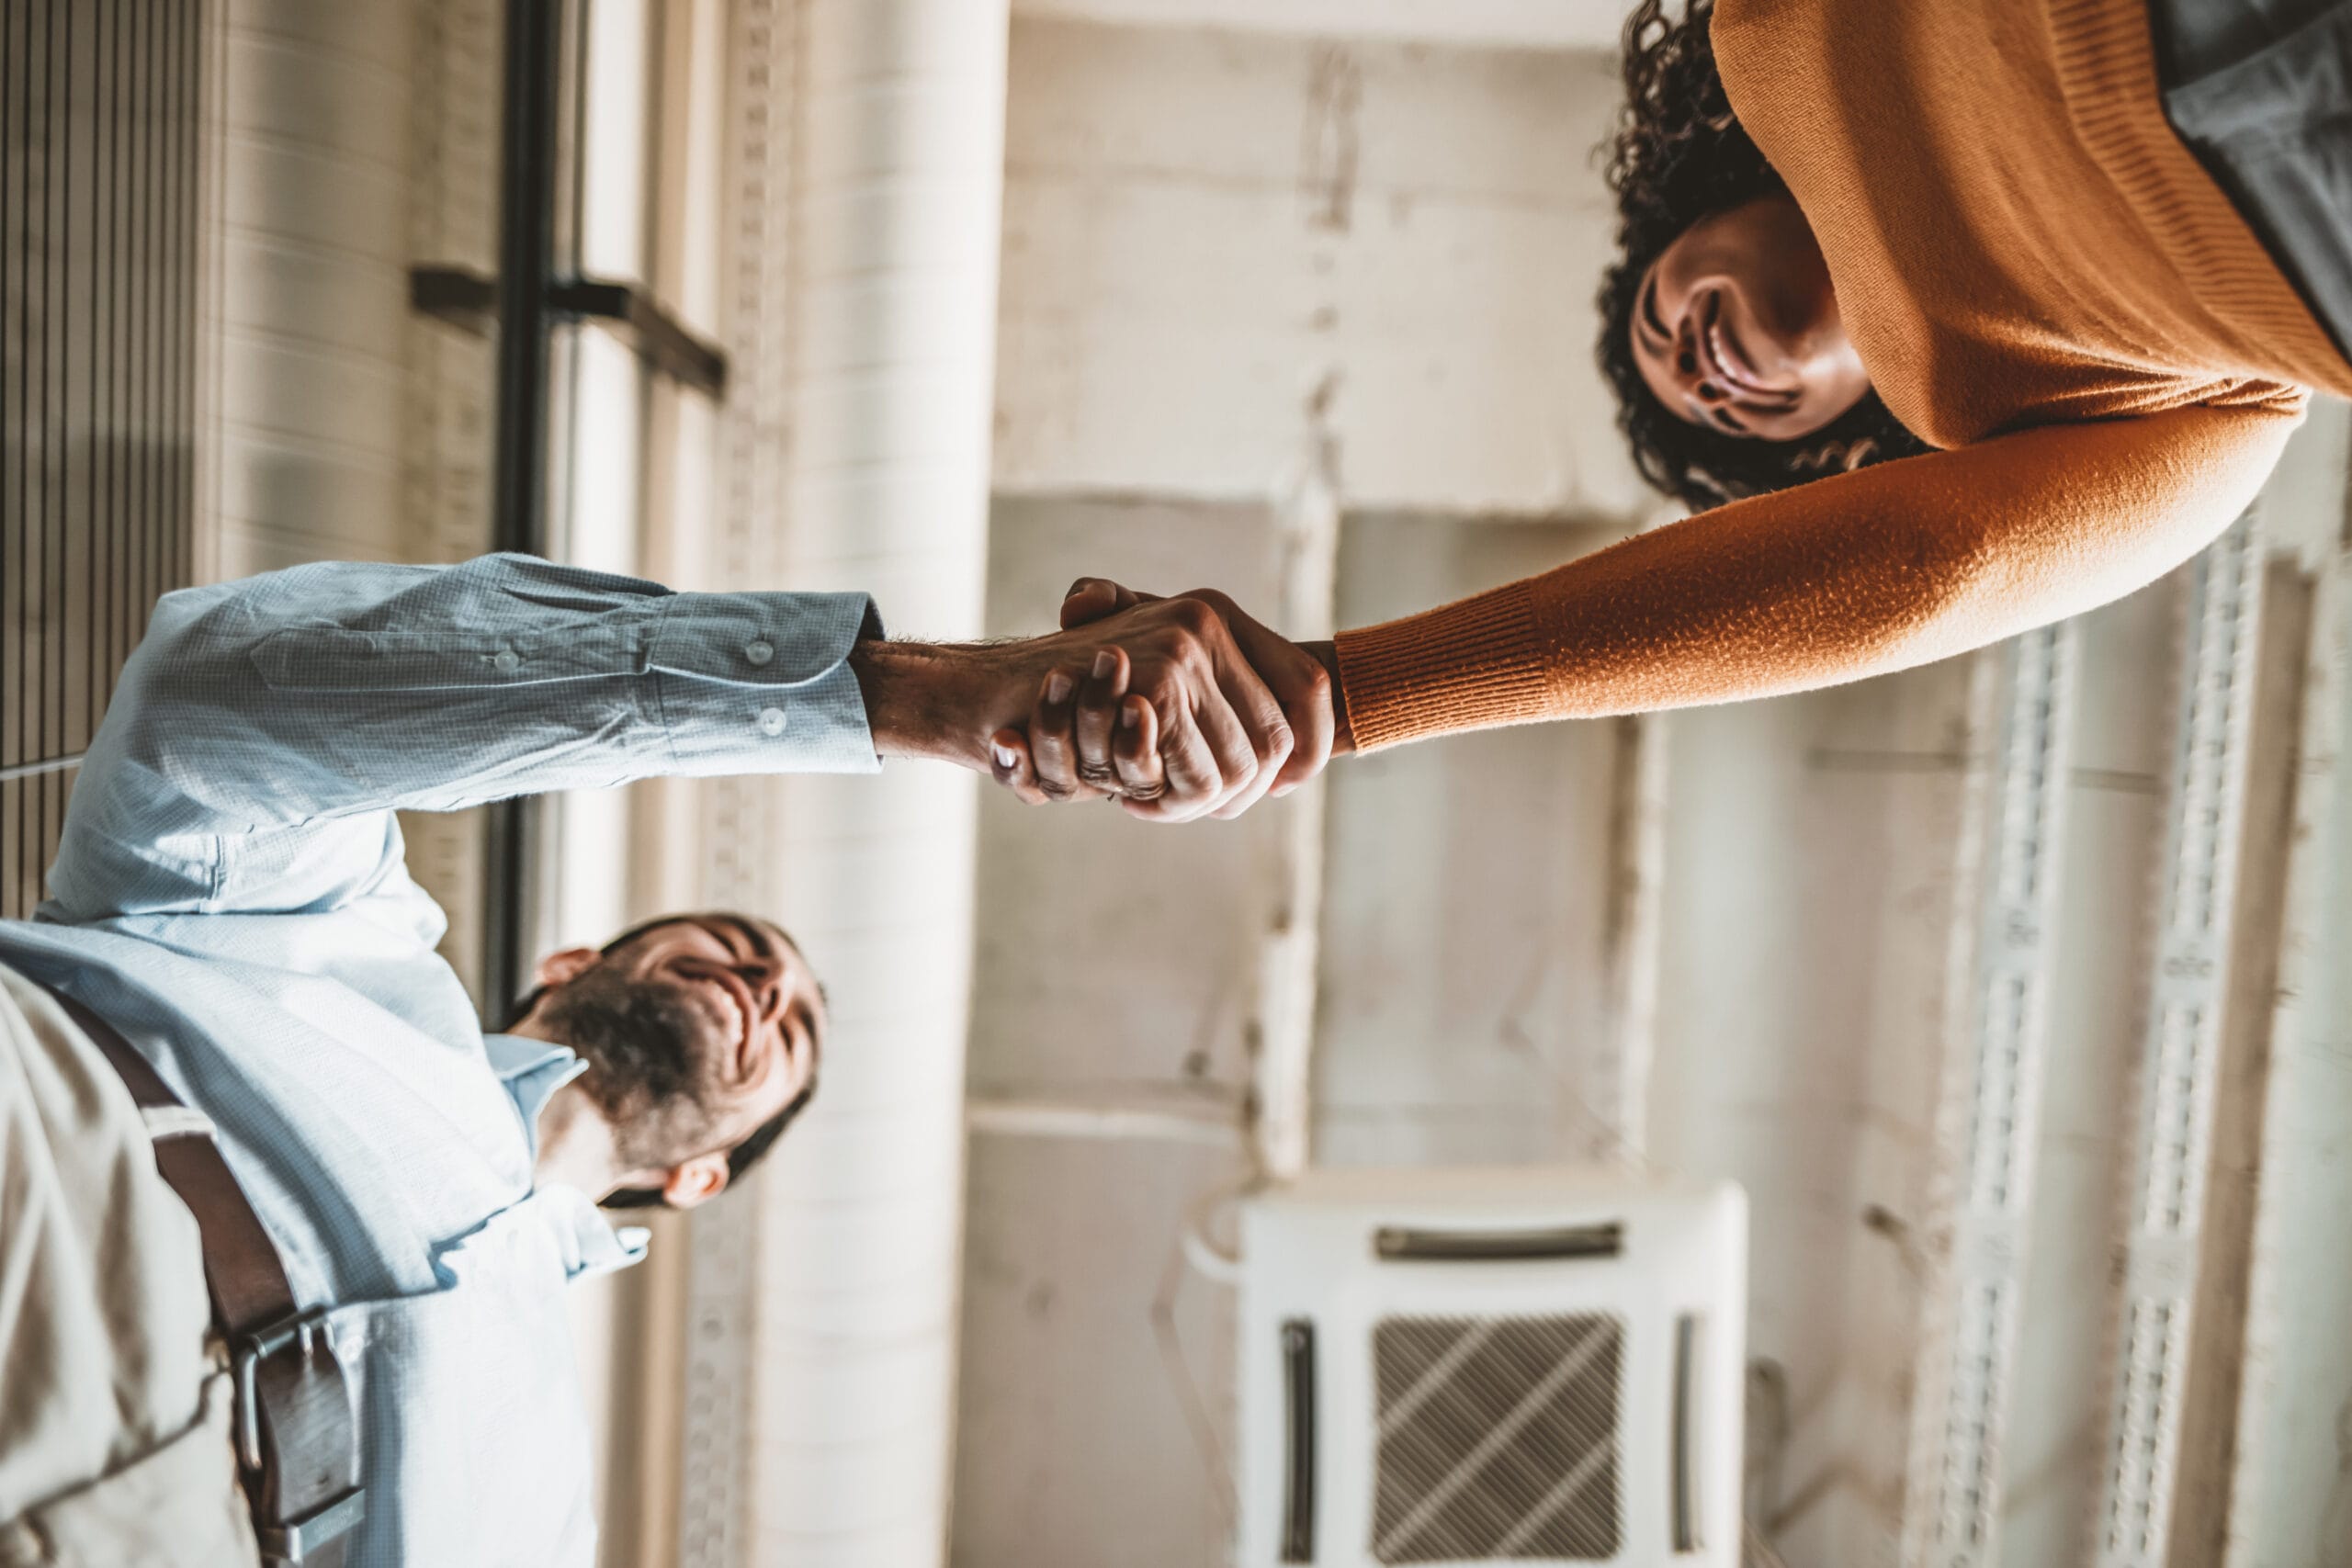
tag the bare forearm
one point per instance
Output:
(931, 700)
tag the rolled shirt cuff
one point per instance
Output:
(762, 683)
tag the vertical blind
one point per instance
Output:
(99, 121)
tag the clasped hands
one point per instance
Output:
(1176, 708)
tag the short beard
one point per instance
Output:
(637, 1037)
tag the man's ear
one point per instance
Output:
(699, 1180)
(562, 968)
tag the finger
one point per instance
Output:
(1314, 726)
(1270, 737)
(1136, 751)
(1010, 765)
(1265, 732)
(1052, 753)
(1228, 743)
(1298, 680)
(1195, 782)
(1097, 715)
(1091, 598)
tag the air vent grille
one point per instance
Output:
(1499, 1438)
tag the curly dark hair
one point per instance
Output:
(1679, 156)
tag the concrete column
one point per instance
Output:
(895, 194)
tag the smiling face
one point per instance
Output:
(696, 1030)
(1737, 328)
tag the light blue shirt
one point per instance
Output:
(230, 892)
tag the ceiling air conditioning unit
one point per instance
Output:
(1490, 1367)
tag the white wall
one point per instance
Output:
(1463, 1003)
(1113, 964)
(1202, 228)
(1205, 229)
(1526, 24)
(1203, 232)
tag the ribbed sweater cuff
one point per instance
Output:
(1469, 665)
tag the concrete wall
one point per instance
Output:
(1208, 238)
(1208, 233)
(1202, 228)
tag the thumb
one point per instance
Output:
(1091, 599)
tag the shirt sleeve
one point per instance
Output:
(1862, 574)
(264, 731)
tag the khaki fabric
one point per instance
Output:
(174, 1507)
(114, 1418)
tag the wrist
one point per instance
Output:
(937, 701)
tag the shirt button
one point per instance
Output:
(507, 661)
(759, 650)
(772, 721)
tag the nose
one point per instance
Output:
(1691, 373)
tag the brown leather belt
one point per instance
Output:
(297, 1451)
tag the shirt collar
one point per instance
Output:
(531, 1071)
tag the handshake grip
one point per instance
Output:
(1177, 708)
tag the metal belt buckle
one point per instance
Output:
(246, 1357)
(292, 1543)
(294, 1539)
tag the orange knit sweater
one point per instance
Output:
(2041, 280)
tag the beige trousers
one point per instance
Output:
(114, 1411)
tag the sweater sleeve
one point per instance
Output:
(1857, 575)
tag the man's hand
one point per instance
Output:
(1179, 724)
(1067, 745)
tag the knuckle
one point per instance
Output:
(1191, 616)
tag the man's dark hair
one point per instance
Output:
(1679, 155)
(744, 1155)
(740, 1159)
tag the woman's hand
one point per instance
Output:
(1073, 746)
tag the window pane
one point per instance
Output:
(619, 45)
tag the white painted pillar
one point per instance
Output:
(872, 413)
(2171, 1130)
(740, 870)
(1290, 952)
(2289, 1501)
(1989, 1104)
(1635, 934)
